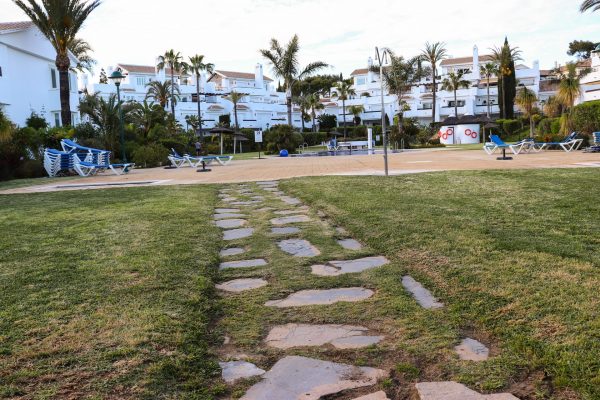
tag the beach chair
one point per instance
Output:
(56, 161)
(332, 145)
(595, 147)
(498, 144)
(86, 154)
(568, 144)
(84, 168)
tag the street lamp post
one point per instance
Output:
(117, 77)
(382, 58)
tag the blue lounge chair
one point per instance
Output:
(568, 144)
(179, 161)
(56, 161)
(595, 147)
(498, 144)
(85, 168)
(87, 154)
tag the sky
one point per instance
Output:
(343, 33)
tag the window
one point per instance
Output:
(141, 81)
(361, 81)
(0, 72)
(56, 116)
(459, 103)
(53, 77)
(74, 118)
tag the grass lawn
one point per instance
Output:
(108, 294)
(513, 254)
(19, 183)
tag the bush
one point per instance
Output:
(586, 117)
(152, 155)
(315, 138)
(36, 122)
(359, 132)
(282, 137)
(511, 126)
(225, 120)
(327, 122)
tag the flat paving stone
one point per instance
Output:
(235, 370)
(421, 295)
(227, 210)
(270, 189)
(231, 223)
(290, 212)
(310, 379)
(229, 199)
(245, 203)
(290, 200)
(322, 297)
(350, 244)
(228, 216)
(340, 336)
(455, 391)
(337, 268)
(285, 231)
(235, 234)
(243, 264)
(298, 248)
(341, 231)
(292, 219)
(267, 183)
(242, 285)
(233, 251)
(374, 396)
(472, 350)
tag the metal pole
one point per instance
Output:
(121, 124)
(383, 128)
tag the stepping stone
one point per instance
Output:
(265, 209)
(291, 200)
(227, 210)
(270, 189)
(421, 295)
(374, 396)
(290, 212)
(235, 370)
(243, 264)
(341, 231)
(238, 234)
(258, 198)
(242, 285)
(455, 391)
(231, 223)
(234, 251)
(309, 379)
(350, 244)
(294, 219)
(340, 336)
(245, 203)
(228, 216)
(298, 248)
(337, 268)
(279, 193)
(472, 350)
(322, 297)
(229, 199)
(285, 231)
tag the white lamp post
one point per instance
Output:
(382, 58)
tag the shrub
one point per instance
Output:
(359, 131)
(314, 138)
(225, 120)
(282, 137)
(511, 126)
(152, 155)
(36, 122)
(586, 117)
(327, 122)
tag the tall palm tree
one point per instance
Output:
(313, 101)
(526, 100)
(454, 82)
(104, 114)
(356, 111)
(161, 92)
(81, 50)
(196, 66)
(569, 90)
(147, 115)
(60, 21)
(343, 91)
(174, 61)
(235, 98)
(284, 61)
(302, 102)
(488, 70)
(552, 107)
(433, 54)
(593, 5)
(505, 58)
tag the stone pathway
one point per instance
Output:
(472, 350)
(290, 220)
(339, 336)
(336, 268)
(235, 370)
(232, 251)
(455, 391)
(285, 231)
(299, 248)
(322, 297)
(421, 295)
(236, 234)
(242, 285)
(350, 244)
(231, 223)
(243, 264)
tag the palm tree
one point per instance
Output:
(343, 91)
(162, 91)
(284, 62)
(104, 114)
(60, 22)
(81, 50)
(552, 107)
(175, 62)
(433, 54)
(356, 111)
(488, 70)
(196, 65)
(505, 58)
(235, 98)
(313, 101)
(569, 90)
(302, 102)
(525, 100)
(147, 115)
(452, 83)
(593, 5)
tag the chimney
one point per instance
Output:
(476, 74)
(259, 81)
(536, 65)
(370, 73)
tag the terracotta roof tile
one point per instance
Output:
(465, 60)
(15, 26)
(142, 69)
(240, 75)
(360, 71)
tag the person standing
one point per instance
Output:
(198, 148)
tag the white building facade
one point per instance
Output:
(29, 80)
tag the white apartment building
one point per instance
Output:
(590, 83)
(29, 81)
(261, 108)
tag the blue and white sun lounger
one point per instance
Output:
(568, 144)
(499, 144)
(85, 168)
(56, 162)
(87, 154)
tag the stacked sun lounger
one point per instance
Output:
(595, 147)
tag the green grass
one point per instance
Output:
(108, 294)
(514, 256)
(20, 183)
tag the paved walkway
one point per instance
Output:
(283, 168)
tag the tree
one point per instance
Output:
(302, 102)
(569, 90)
(356, 111)
(147, 115)
(6, 128)
(593, 5)
(452, 83)
(174, 61)
(284, 62)
(162, 91)
(313, 101)
(235, 98)
(526, 100)
(60, 21)
(343, 91)
(320, 84)
(103, 77)
(488, 70)
(196, 66)
(582, 49)
(81, 50)
(505, 57)
(327, 122)
(552, 107)
(192, 120)
(104, 115)
(433, 54)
